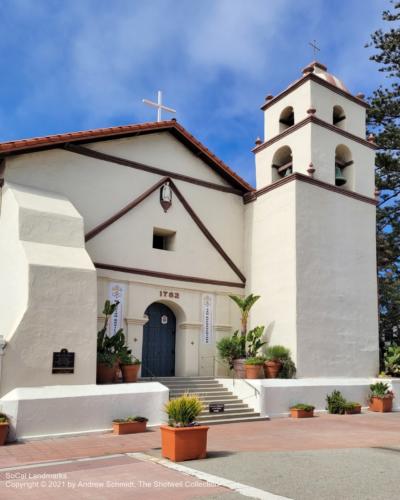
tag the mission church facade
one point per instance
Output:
(147, 214)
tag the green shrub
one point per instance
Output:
(350, 405)
(126, 358)
(380, 390)
(254, 361)
(182, 411)
(277, 353)
(3, 418)
(254, 341)
(301, 406)
(288, 369)
(336, 403)
(230, 348)
(392, 360)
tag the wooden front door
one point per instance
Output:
(158, 354)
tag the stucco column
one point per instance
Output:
(187, 349)
(134, 335)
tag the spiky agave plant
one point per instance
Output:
(182, 411)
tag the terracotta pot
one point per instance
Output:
(272, 368)
(354, 411)
(129, 427)
(382, 405)
(239, 367)
(130, 372)
(3, 432)
(105, 373)
(296, 413)
(254, 371)
(184, 443)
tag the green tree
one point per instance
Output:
(384, 123)
(244, 304)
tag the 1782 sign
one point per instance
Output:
(63, 361)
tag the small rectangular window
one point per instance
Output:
(163, 239)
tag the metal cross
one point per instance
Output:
(159, 105)
(315, 48)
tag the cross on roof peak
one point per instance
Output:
(315, 48)
(159, 105)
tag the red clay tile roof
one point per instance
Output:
(172, 126)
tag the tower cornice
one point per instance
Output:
(316, 121)
(320, 81)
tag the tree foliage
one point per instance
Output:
(384, 123)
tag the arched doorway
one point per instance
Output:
(158, 352)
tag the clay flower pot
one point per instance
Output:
(254, 371)
(3, 432)
(129, 427)
(382, 405)
(130, 372)
(353, 411)
(239, 367)
(272, 368)
(105, 373)
(297, 413)
(184, 443)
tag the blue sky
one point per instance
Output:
(78, 64)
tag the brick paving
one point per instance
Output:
(325, 432)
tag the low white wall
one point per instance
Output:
(278, 395)
(64, 410)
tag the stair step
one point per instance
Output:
(233, 420)
(230, 416)
(194, 386)
(217, 390)
(228, 411)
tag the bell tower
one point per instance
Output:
(311, 223)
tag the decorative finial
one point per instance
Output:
(360, 95)
(371, 138)
(311, 170)
(269, 97)
(311, 111)
(258, 141)
(377, 193)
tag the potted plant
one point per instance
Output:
(129, 425)
(4, 426)
(230, 349)
(302, 411)
(273, 363)
(183, 439)
(336, 403)
(352, 408)
(245, 304)
(254, 367)
(381, 397)
(130, 366)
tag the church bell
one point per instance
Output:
(339, 178)
(288, 172)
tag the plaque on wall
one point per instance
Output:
(63, 361)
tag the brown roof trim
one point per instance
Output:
(316, 121)
(168, 276)
(2, 170)
(82, 150)
(98, 229)
(316, 79)
(172, 126)
(250, 197)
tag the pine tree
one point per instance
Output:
(384, 122)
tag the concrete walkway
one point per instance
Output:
(328, 457)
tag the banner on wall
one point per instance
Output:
(207, 318)
(116, 292)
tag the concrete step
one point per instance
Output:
(220, 399)
(235, 420)
(216, 390)
(193, 386)
(183, 379)
(228, 411)
(226, 416)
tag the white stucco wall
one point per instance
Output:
(66, 410)
(47, 289)
(337, 315)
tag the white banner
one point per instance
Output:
(207, 302)
(116, 292)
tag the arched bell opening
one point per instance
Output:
(339, 117)
(286, 119)
(343, 167)
(282, 163)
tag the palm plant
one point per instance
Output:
(244, 304)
